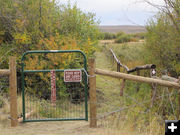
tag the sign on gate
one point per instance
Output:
(73, 75)
(53, 86)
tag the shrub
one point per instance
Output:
(123, 38)
(162, 44)
(134, 39)
(120, 34)
(139, 36)
(107, 35)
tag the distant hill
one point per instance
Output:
(125, 28)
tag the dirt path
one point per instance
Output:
(51, 128)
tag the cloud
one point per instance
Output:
(118, 11)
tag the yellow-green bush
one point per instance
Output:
(162, 44)
(45, 25)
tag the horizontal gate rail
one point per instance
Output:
(54, 51)
(55, 119)
(56, 70)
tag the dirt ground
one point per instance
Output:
(57, 128)
(50, 128)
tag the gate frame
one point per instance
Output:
(59, 70)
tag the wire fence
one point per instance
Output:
(141, 111)
(134, 109)
(4, 88)
(4, 80)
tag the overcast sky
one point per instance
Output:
(118, 12)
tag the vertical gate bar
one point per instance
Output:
(30, 106)
(23, 95)
(36, 109)
(34, 106)
(86, 98)
(179, 98)
(27, 104)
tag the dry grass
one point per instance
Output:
(131, 54)
(106, 41)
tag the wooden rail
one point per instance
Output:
(119, 64)
(137, 68)
(4, 72)
(147, 66)
(136, 78)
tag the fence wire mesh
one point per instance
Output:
(134, 110)
(70, 97)
(4, 88)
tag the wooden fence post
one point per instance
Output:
(13, 91)
(118, 67)
(179, 96)
(137, 87)
(122, 87)
(92, 93)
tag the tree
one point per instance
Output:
(44, 25)
(24, 23)
(163, 31)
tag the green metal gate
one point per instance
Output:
(71, 97)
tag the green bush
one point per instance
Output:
(123, 38)
(162, 44)
(120, 34)
(108, 36)
(139, 36)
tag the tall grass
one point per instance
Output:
(131, 54)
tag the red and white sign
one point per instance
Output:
(53, 86)
(73, 75)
